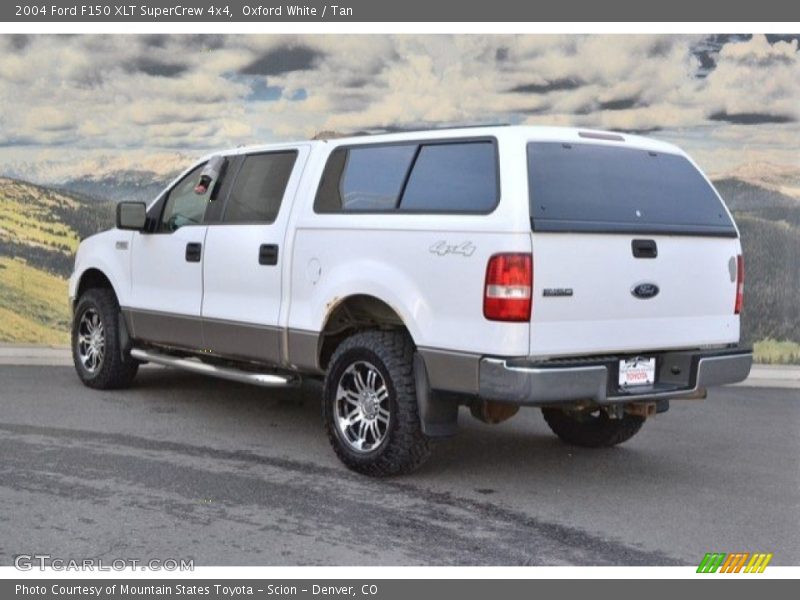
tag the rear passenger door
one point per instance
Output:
(242, 274)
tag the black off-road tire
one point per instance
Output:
(404, 448)
(595, 430)
(115, 371)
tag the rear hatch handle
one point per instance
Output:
(644, 248)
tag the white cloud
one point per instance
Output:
(146, 95)
(756, 77)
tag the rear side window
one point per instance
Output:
(259, 187)
(413, 177)
(453, 177)
(373, 177)
(586, 187)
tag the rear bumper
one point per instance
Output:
(683, 374)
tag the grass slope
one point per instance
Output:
(44, 226)
(40, 229)
(33, 304)
(771, 352)
(772, 279)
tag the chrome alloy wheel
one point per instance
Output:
(91, 341)
(362, 407)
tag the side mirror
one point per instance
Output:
(210, 174)
(131, 215)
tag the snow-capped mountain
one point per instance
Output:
(105, 177)
(121, 185)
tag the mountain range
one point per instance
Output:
(126, 185)
(105, 177)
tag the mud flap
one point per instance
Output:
(438, 415)
(124, 337)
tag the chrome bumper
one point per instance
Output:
(678, 375)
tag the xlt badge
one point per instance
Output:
(555, 292)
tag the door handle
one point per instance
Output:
(644, 248)
(268, 254)
(194, 251)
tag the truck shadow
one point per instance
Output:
(291, 419)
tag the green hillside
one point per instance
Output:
(39, 232)
(743, 196)
(772, 278)
(33, 304)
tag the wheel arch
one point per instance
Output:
(354, 313)
(93, 277)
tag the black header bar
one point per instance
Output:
(442, 11)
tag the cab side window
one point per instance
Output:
(259, 187)
(184, 206)
(373, 178)
(364, 179)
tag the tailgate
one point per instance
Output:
(693, 306)
(633, 250)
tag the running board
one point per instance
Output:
(196, 366)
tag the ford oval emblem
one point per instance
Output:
(645, 290)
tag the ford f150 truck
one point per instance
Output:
(592, 274)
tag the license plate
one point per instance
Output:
(637, 371)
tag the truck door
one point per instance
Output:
(166, 266)
(242, 270)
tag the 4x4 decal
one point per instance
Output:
(442, 248)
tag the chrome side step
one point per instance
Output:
(196, 366)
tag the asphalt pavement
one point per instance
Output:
(182, 466)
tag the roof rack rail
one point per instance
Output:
(328, 135)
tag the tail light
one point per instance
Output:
(737, 309)
(507, 294)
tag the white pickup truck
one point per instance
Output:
(592, 274)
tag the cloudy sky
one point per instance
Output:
(74, 105)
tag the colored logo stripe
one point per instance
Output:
(758, 563)
(734, 562)
(711, 562)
